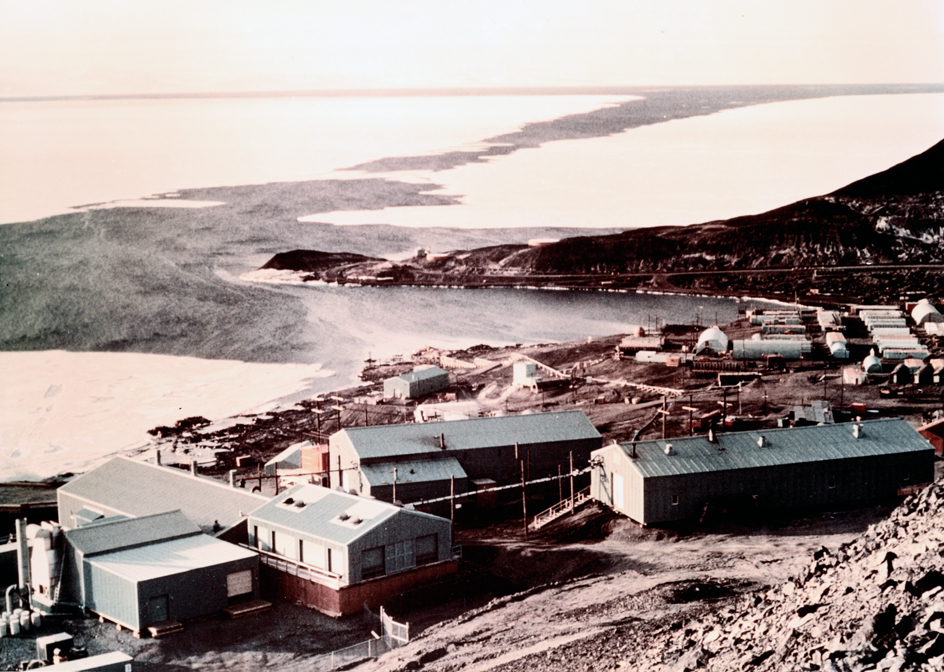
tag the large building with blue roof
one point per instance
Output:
(823, 465)
(425, 460)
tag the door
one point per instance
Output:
(239, 584)
(157, 609)
(618, 492)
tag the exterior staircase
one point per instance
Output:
(562, 508)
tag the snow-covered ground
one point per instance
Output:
(63, 411)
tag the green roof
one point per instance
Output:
(170, 557)
(329, 515)
(796, 445)
(137, 488)
(413, 471)
(384, 441)
(105, 537)
(417, 375)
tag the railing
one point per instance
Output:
(562, 507)
(296, 568)
(372, 648)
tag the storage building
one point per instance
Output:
(754, 349)
(131, 488)
(417, 383)
(712, 340)
(137, 572)
(430, 454)
(924, 312)
(821, 465)
(335, 551)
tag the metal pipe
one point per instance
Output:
(22, 554)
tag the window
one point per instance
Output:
(675, 500)
(255, 537)
(301, 550)
(427, 549)
(831, 484)
(401, 555)
(373, 562)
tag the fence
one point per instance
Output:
(392, 635)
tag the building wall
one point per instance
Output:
(812, 484)
(414, 492)
(190, 594)
(398, 537)
(665, 499)
(315, 549)
(69, 504)
(350, 599)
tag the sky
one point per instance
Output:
(127, 47)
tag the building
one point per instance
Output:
(836, 342)
(934, 433)
(759, 349)
(417, 383)
(432, 455)
(712, 340)
(823, 465)
(131, 488)
(924, 312)
(142, 571)
(335, 551)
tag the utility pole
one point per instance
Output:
(394, 485)
(560, 485)
(571, 482)
(452, 498)
(340, 478)
(524, 501)
(664, 414)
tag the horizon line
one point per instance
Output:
(627, 89)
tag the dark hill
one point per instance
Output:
(920, 174)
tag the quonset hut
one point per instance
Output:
(822, 465)
(712, 340)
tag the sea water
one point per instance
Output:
(151, 364)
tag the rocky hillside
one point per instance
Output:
(875, 604)
(896, 216)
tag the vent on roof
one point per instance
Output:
(299, 504)
(357, 521)
(857, 430)
(289, 501)
(343, 516)
(668, 449)
(761, 441)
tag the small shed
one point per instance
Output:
(140, 571)
(872, 364)
(524, 373)
(934, 433)
(901, 375)
(335, 551)
(290, 458)
(417, 383)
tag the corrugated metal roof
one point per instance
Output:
(423, 374)
(416, 438)
(117, 534)
(413, 471)
(138, 488)
(795, 445)
(170, 557)
(323, 514)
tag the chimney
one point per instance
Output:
(232, 478)
(668, 449)
(711, 435)
(22, 555)
(442, 441)
(157, 457)
(761, 441)
(634, 450)
(857, 430)
(193, 467)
